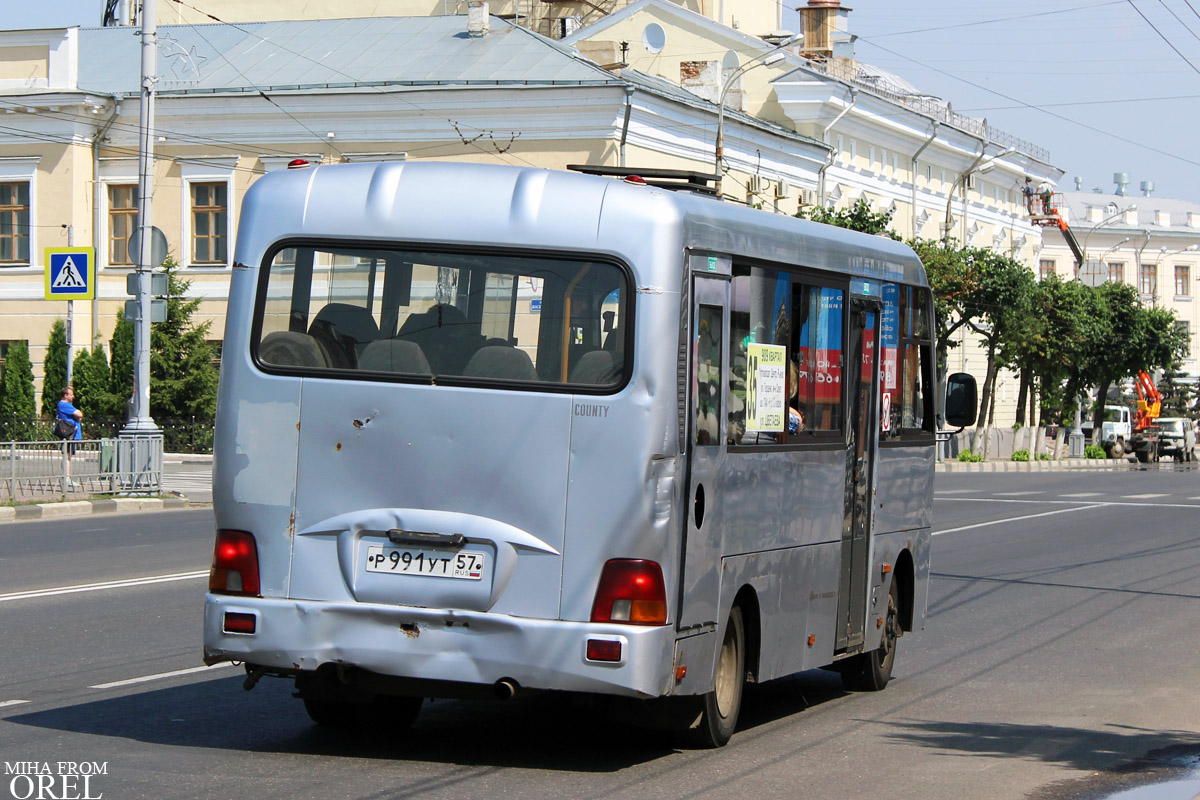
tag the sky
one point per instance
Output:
(1105, 85)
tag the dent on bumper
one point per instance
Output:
(439, 644)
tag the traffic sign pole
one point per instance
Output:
(139, 410)
(70, 322)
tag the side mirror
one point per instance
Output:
(961, 400)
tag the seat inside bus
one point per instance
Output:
(345, 330)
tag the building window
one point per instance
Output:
(1116, 272)
(1045, 269)
(1148, 283)
(14, 223)
(122, 222)
(1183, 275)
(209, 223)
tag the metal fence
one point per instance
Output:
(63, 470)
(180, 434)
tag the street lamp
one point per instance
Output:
(1162, 256)
(1110, 218)
(982, 162)
(766, 59)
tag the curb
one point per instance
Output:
(76, 508)
(1033, 466)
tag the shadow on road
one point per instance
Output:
(1114, 748)
(544, 731)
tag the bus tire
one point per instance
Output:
(870, 672)
(1117, 449)
(719, 716)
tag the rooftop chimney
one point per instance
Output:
(1147, 188)
(1078, 184)
(477, 18)
(823, 24)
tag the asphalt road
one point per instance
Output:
(1059, 660)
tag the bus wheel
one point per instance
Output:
(721, 706)
(870, 672)
(1117, 449)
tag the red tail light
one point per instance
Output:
(631, 591)
(235, 564)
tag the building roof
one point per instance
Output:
(1148, 210)
(331, 54)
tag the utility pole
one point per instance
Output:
(139, 420)
(140, 442)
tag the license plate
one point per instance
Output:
(462, 564)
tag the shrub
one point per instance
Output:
(1020, 455)
(1094, 451)
(1044, 457)
(970, 456)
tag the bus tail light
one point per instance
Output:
(631, 591)
(235, 564)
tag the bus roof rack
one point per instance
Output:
(678, 180)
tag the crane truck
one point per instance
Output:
(1146, 437)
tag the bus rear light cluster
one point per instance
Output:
(235, 564)
(631, 591)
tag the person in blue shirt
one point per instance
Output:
(68, 411)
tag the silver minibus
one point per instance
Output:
(486, 429)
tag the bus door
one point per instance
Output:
(707, 362)
(862, 387)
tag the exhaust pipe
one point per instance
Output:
(505, 689)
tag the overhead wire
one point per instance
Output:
(1162, 36)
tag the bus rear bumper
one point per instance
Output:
(436, 644)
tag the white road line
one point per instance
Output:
(954, 491)
(1114, 503)
(1018, 519)
(160, 676)
(4, 703)
(96, 587)
(1015, 494)
(1084, 494)
(1142, 496)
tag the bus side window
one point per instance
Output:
(890, 362)
(918, 360)
(759, 339)
(825, 357)
(708, 375)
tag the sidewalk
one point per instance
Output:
(102, 505)
(1034, 466)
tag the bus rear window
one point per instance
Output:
(444, 317)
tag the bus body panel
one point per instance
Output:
(318, 466)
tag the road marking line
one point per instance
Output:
(1142, 496)
(1018, 519)
(1084, 494)
(954, 491)
(160, 676)
(96, 587)
(1114, 503)
(4, 703)
(1015, 494)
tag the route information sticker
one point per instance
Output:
(766, 387)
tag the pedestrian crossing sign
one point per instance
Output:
(70, 273)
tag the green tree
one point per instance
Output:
(1178, 396)
(17, 408)
(120, 385)
(183, 373)
(54, 369)
(92, 381)
(858, 217)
